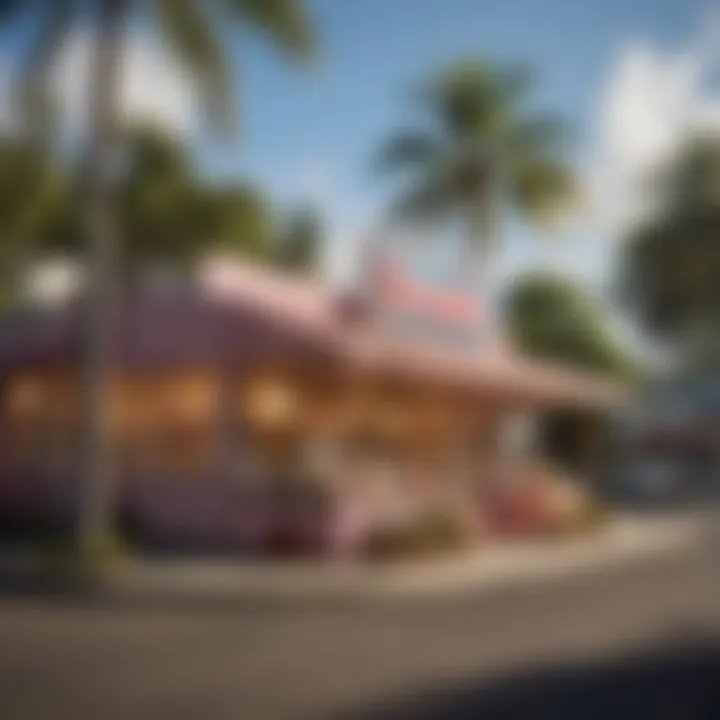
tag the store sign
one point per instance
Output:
(411, 308)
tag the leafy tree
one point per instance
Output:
(169, 216)
(196, 31)
(299, 244)
(240, 220)
(670, 264)
(30, 192)
(159, 203)
(550, 317)
(479, 155)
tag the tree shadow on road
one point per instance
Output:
(677, 682)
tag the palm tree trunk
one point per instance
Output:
(99, 331)
(479, 239)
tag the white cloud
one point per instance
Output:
(650, 102)
(53, 281)
(154, 87)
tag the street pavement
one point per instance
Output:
(640, 640)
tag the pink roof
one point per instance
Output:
(237, 313)
(314, 309)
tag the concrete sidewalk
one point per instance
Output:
(624, 540)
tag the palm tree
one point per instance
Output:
(478, 155)
(194, 31)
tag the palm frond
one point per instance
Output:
(511, 84)
(487, 155)
(536, 137)
(543, 191)
(191, 34)
(475, 99)
(428, 200)
(54, 25)
(282, 20)
(407, 149)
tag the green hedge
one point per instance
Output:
(425, 535)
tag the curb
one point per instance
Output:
(624, 542)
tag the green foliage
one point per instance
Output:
(242, 221)
(549, 317)
(592, 517)
(428, 534)
(298, 245)
(198, 32)
(194, 30)
(668, 276)
(68, 560)
(480, 153)
(164, 213)
(31, 191)
(669, 273)
(691, 179)
(283, 21)
(168, 214)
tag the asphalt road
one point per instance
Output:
(639, 641)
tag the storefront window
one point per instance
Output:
(169, 448)
(271, 403)
(40, 430)
(167, 425)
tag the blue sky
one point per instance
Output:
(630, 77)
(313, 133)
(373, 51)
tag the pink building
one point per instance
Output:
(255, 411)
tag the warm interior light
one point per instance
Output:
(25, 396)
(394, 420)
(271, 403)
(195, 401)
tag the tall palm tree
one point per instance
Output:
(195, 31)
(478, 155)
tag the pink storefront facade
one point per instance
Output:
(261, 414)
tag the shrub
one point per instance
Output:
(64, 558)
(591, 517)
(440, 531)
(424, 535)
(389, 542)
